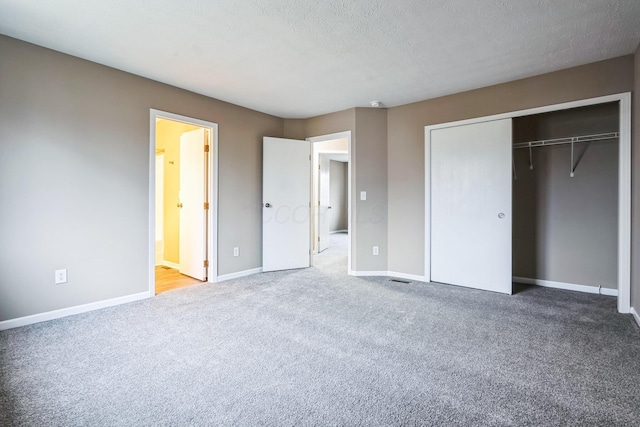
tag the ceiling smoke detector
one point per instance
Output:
(376, 104)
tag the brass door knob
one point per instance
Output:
(180, 205)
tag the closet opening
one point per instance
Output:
(565, 199)
(586, 246)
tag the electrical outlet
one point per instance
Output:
(376, 251)
(61, 276)
(236, 251)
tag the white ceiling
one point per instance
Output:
(301, 58)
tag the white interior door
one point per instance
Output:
(286, 197)
(193, 218)
(471, 205)
(324, 202)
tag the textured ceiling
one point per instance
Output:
(302, 58)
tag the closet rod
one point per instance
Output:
(569, 140)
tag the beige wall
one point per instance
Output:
(371, 218)
(406, 138)
(635, 170)
(74, 167)
(168, 139)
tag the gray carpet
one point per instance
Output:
(316, 347)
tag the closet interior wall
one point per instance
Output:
(564, 228)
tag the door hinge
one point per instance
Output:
(206, 148)
(318, 167)
(318, 238)
(318, 202)
(206, 206)
(206, 263)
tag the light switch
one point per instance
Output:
(363, 195)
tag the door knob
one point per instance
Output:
(267, 205)
(329, 207)
(501, 215)
(179, 205)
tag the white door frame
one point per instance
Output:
(624, 182)
(212, 216)
(350, 208)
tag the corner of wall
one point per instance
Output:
(371, 176)
(294, 128)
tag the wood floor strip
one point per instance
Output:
(168, 279)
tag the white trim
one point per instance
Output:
(171, 264)
(330, 137)
(537, 110)
(635, 315)
(370, 273)
(413, 277)
(70, 311)
(567, 286)
(624, 182)
(427, 203)
(624, 205)
(393, 274)
(213, 192)
(351, 208)
(239, 274)
(338, 231)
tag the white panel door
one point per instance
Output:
(193, 218)
(286, 197)
(324, 199)
(471, 206)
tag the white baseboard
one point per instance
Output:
(567, 286)
(406, 276)
(239, 274)
(413, 277)
(56, 314)
(338, 231)
(369, 273)
(635, 315)
(171, 264)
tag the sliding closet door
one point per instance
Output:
(471, 205)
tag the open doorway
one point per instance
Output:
(330, 201)
(183, 216)
(565, 198)
(289, 209)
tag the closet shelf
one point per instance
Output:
(568, 140)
